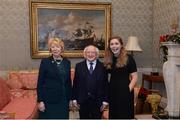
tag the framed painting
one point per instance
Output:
(78, 24)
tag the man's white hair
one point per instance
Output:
(97, 50)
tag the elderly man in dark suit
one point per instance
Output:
(90, 85)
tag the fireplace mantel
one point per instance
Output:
(171, 73)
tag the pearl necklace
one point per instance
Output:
(58, 62)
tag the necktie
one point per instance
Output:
(91, 68)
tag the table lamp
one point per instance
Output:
(132, 44)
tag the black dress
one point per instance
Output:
(121, 100)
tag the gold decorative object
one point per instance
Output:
(154, 100)
(174, 24)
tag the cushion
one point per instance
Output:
(22, 107)
(29, 80)
(4, 93)
(24, 79)
(14, 83)
(13, 74)
(17, 93)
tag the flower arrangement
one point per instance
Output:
(143, 92)
(175, 38)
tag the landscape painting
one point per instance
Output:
(76, 24)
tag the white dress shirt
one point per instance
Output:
(88, 64)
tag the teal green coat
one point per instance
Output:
(54, 88)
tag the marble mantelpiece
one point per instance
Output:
(171, 73)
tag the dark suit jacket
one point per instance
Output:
(100, 88)
(49, 87)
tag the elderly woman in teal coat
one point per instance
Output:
(54, 83)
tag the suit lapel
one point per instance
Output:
(96, 71)
(85, 68)
(85, 73)
(96, 67)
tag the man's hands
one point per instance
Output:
(74, 106)
(41, 106)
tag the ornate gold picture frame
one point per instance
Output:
(77, 23)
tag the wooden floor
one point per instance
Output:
(75, 115)
(144, 116)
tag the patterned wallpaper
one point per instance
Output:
(129, 17)
(164, 11)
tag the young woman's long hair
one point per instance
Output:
(122, 58)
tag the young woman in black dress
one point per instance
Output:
(122, 68)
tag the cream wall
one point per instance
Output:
(129, 17)
(164, 11)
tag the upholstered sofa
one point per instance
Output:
(18, 95)
(18, 98)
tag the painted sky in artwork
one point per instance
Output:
(64, 22)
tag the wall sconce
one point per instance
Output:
(132, 45)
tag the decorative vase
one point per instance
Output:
(171, 74)
(154, 100)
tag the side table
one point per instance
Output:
(151, 78)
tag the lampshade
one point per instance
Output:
(132, 44)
